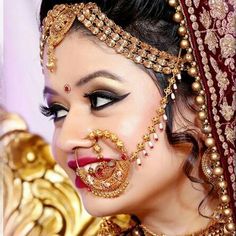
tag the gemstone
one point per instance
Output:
(162, 62)
(147, 64)
(151, 57)
(92, 18)
(86, 12)
(90, 179)
(166, 70)
(119, 48)
(102, 16)
(109, 22)
(142, 53)
(111, 43)
(126, 35)
(132, 47)
(99, 23)
(124, 156)
(115, 36)
(119, 174)
(107, 30)
(111, 163)
(122, 42)
(157, 68)
(95, 30)
(87, 23)
(102, 36)
(106, 184)
(137, 59)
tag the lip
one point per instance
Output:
(83, 161)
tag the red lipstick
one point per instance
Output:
(83, 161)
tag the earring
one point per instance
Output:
(109, 178)
(207, 166)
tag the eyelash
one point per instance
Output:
(53, 109)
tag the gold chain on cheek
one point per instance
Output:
(110, 178)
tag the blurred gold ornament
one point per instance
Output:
(37, 194)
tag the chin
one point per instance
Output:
(100, 207)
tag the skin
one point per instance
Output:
(157, 189)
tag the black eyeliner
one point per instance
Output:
(51, 111)
(107, 95)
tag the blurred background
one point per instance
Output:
(21, 77)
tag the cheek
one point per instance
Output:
(133, 124)
(58, 155)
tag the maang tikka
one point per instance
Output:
(110, 178)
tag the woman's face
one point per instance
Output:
(108, 92)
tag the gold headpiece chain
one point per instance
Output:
(60, 19)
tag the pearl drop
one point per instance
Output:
(145, 153)
(139, 162)
(172, 96)
(155, 136)
(150, 144)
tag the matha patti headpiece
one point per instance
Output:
(60, 19)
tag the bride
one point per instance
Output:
(135, 105)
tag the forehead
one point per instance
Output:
(78, 55)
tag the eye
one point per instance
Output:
(100, 99)
(54, 111)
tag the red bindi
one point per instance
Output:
(67, 88)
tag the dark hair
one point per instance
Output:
(151, 22)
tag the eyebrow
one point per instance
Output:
(84, 80)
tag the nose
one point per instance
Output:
(73, 133)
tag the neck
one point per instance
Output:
(175, 212)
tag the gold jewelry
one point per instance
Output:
(213, 228)
(109, 179)
(60, 19)
(108, 228)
